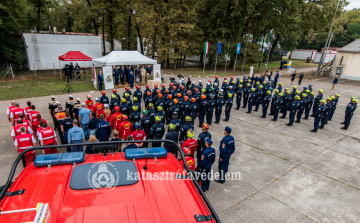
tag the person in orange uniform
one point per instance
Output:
(16, 129)
(189, 160)
(89, 103)
(125, 128)
(107, 113)
(25, 141)
(190, 142)
(98, 108)
(47, 137)
(116, 118)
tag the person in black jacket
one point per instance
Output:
(265, 104)
(172, 135)
(201, 143)
(92, 123)
(188, 125)
(157, 131)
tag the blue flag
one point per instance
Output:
(238, 48)
(219, 48)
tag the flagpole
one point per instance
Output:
(226, 58)
(216, 63)
(235, 62)
(204, 64)
(245, 56)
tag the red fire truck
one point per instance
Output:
(138, 185)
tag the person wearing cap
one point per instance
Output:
(161, 114)
(210, 109)
(220, 102)
(134, 117)
(227, 148)
(176, 121)
(349, 112)
(104, 99)
(52, 106)
(202, 110)
(148, 99)
(125, 128)
(185, 128)
(317, 102)
(76, 135)
(334, 102)
(201, 142)
(151, 113)
(172, 135)
(77, 107)
(207, 159)
(277, 106)
(138, 93)
(116, 94)
(324, 119)
(113, 103)
(265, 104)
(89, 103)
(157, 131)
(65, 125)
(228, 106)
(302, 106)
(190, 162)
(294, 107)
(84, 118)
(103, 130)
(309, 104)
(59, 117)
(98, 107)
(251, 100)
(319, 112)
(70, 105)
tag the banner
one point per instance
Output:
(94, 77)
(157, 72)
(206, 47)
(238, 48)
(108, 78)
(219, 48)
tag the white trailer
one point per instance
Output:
(330, 56)
(302, 54)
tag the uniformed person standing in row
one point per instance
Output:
(334, 102)
(265, 104)
(202, 110)
(157, 131)
(201, 142)
(76, 109)
(318, 115)
(293, 109)
(277, 106)
(207, 159)
(52, 106)
(227, 147)
(228, 106)
(104, 99)
(172, 135)
(239, 94)
(303, 103)
(251, 100)
(317, 102)
(327, 111)
(349, 112)
(218, 107)
(70, 105)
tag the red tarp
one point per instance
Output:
(74, 56)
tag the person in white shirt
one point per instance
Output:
(16, 129)
(8, 110)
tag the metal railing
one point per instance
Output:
(191, 172)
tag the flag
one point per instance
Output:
(238, 48)
(219, 48)
(206, 48)
(94, 77)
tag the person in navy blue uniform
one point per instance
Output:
(193, 110)
(273, 99)
(138, 93)
(116, 71)
(317, 101)
(157, 131)
(202, 110)
(103, 130)
(104, 99)
(100, 80)
(113, 103)
(265, 104)
(131, 79)
(210, 109)
(277, 106)
(293, 109)
(201, 142)
(227, 148)
(246, 95)
(160, 113)
(302, 106)
(124, 108)
(218, 107)
(334, 102)
(310, 87)
(349, 112)
(239, 94)
(309, 104)
(207, 159)
(172, 135)
(251, 100)
(136, 103)
(184, 109)
(122, 75)
(301, 76)
(216, 80)
(228, 106)
(188, 125)
(128, 70)
(146, 124)
(134, 117)
(280, 87)
(318, 115)
(176, 121)
(286, 104)
(277, 75)
(258, 97)
(174, 108)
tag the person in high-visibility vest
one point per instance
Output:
(47, 137)
(25, 141)
(125, 128)
(16, 129)
(9, 110)
(59, 116)
(16, 112)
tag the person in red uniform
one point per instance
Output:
(125, 128)
(16, 112)
(36, 124)
(107, 113)
(33, 113)
(190, 142)
(25, 141)
(9, 110)
(24, 121)
(116, 118)
(89, 103)
(47, 137)
(189, 160)
(16, 129)
(28, 109)
(98, 108)
(138, 134)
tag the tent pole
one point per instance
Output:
(60, 70)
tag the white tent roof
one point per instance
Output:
(124, 58)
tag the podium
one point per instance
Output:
(152, 82)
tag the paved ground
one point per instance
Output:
(288, 174)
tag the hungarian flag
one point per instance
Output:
(206, 47)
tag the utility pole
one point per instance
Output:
(327, 40)
(127, 26)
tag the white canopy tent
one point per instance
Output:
(124, 58)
